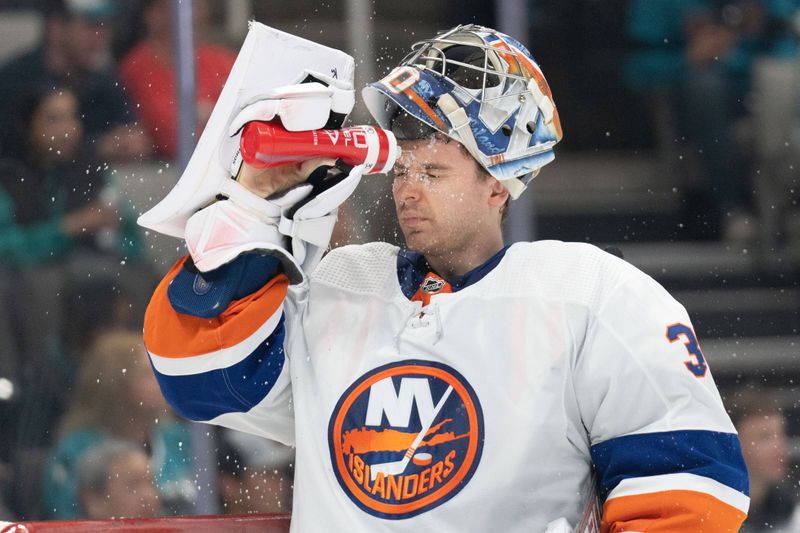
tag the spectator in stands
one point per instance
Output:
(114, 481)
(116, 396)
(693, 60)
(148, 73)
(95, 307)
(762, 432)
(57, 227)
(255, 474)
(75, 52)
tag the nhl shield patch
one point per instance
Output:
(405, 438)
(432, 286)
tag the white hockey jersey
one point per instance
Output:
(484, 411)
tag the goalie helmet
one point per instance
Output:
(481, 88)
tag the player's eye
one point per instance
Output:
(399, 171)
(434, 174)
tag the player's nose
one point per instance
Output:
(406, 187)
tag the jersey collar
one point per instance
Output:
(412, 269)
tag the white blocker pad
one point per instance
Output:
(268, 61)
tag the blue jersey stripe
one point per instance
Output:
(208, 294)
(237, 388)
(711, 454)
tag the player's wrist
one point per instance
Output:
(274, 181)
(258, 181)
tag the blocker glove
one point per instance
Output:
(295, 226)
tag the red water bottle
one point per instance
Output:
(268, 144)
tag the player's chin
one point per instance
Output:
(416, 240)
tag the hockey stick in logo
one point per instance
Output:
(394, 468)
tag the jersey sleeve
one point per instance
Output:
(666, 454)
(216, 344)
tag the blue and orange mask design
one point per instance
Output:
(481, 88)
(405, 438)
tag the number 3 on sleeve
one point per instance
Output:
(697, 363)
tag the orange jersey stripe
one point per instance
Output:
(168, 333)
(673, 511)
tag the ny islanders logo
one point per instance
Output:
(405, 438)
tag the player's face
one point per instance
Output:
(442, 205)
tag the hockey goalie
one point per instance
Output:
(457, 384)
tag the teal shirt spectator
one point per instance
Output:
(783, 40)
(656, 29)
(170, 462)
(26, 241)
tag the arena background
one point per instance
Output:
(631, 173)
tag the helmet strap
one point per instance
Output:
(459, 121)
(544, 103)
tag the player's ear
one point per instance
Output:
(498, 194)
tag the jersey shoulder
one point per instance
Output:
(577, 272)
(359, 268)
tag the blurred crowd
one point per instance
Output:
(86, 433)
(720, 80)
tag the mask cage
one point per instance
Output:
(462, 57)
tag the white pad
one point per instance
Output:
(269, 59)
(218, 233)
(304, 106)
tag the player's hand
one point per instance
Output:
(266, 182)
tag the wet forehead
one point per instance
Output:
(429, 153)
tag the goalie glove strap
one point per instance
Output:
(310, 225)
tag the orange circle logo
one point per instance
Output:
(405, 438)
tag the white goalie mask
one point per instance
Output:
(481, 88)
